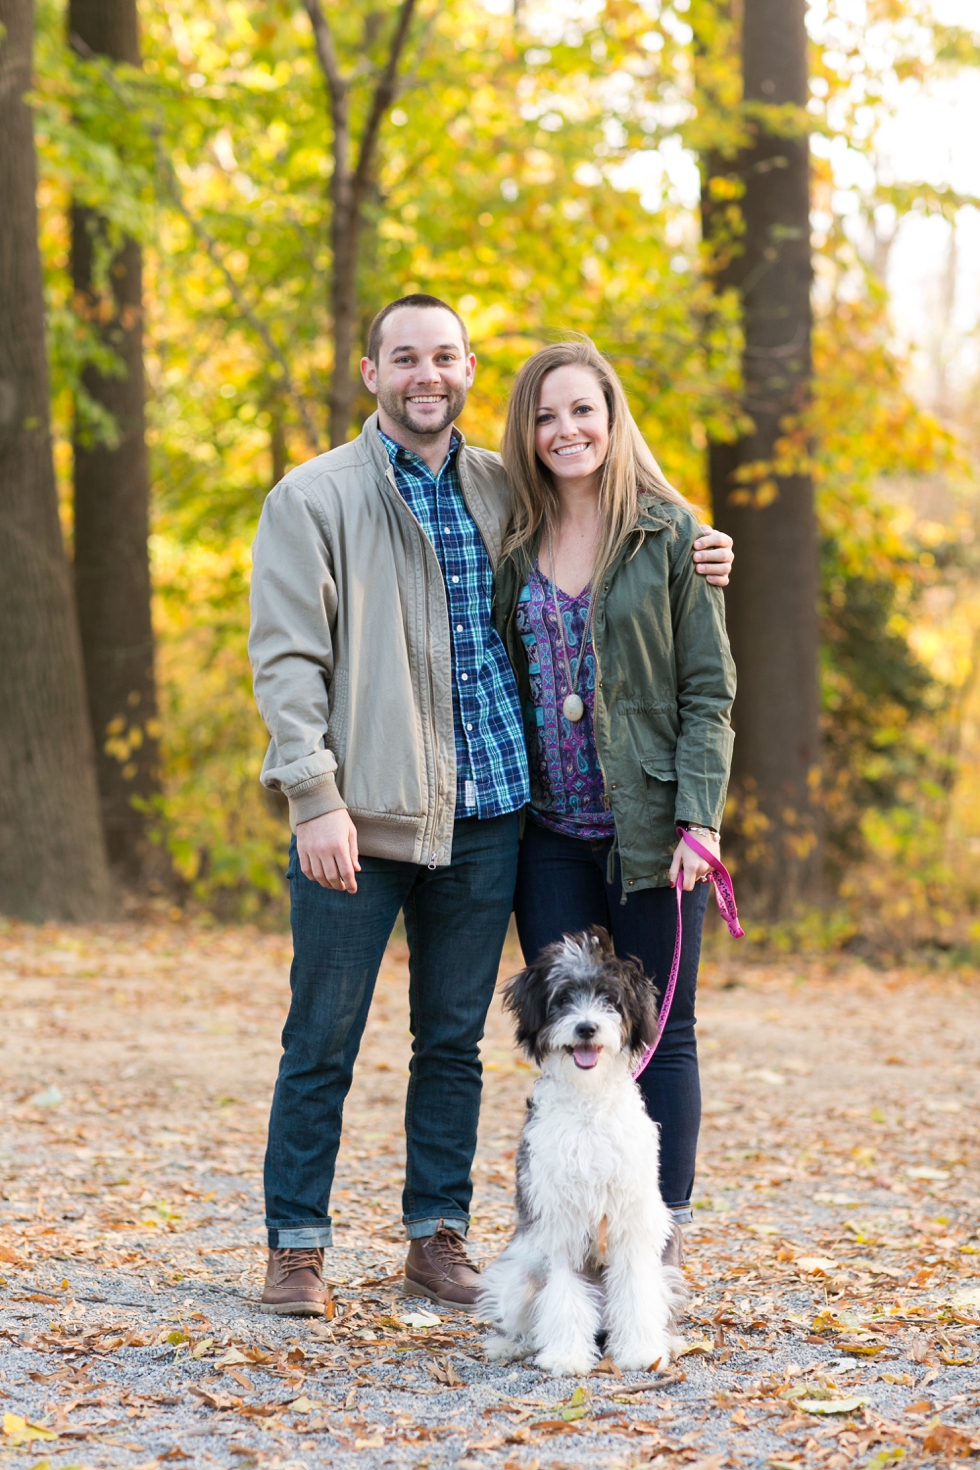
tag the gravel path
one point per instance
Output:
(835, 1261)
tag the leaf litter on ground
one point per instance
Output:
(834, 1254)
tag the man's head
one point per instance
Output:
(419, 364)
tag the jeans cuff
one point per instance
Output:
(419, 1229)
(681, 1214)
(300, 1237)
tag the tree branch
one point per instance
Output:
(384, 95)
(338, 89)
(171, 183)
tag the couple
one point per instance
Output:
(442, 639)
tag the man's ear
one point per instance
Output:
(369, 372)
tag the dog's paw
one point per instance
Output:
(501, 1349)
(566, 1365)
(641, 1357)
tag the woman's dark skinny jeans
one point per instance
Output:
(562, 889)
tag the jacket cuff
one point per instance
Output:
(315, 801)
(687, 815)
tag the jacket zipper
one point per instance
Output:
(429, 839)
(428, 833)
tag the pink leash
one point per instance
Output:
(725, 898)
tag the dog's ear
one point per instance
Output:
(640, 1000)
(526, 997)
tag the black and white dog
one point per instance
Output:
(591, 1227)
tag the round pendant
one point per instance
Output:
(573, 709)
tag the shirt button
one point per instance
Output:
(455, 579)
(459, 627)
(469, 727)
(464, 677)
(446, 531)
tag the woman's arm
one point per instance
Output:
(705, 691)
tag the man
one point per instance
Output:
(397, 738)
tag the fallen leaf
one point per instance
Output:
(376, 1442)
(420, 1319)
(924, 1173)
(214, 1400)
(22, 1431)
(231, 1356)
(700, 1345)
(444, 1373)
(303, 1405)
(11, 1256)
(832, 1406)
(816, 1265)
(944, 1439)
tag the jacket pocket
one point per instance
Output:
(660, 767)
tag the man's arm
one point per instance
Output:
(713, 556)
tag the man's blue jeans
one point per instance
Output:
(456, 921)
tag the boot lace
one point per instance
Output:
(447, 1248)
(300, 1259)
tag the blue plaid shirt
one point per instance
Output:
(491, 758)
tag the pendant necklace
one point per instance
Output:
(573, 706)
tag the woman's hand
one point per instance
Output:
(692, 867)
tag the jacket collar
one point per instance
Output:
(375, 450)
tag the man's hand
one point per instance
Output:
(713, 556)
(327, 848)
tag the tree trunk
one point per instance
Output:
(772, 602)
(346, 231)
(52, 859)
(112, 573)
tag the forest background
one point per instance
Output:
(535, 170)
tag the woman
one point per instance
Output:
(627, 683)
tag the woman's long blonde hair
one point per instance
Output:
(629, 469)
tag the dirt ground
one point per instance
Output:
(834, 1263)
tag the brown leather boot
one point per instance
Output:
(294, 1285)
(439, 1268)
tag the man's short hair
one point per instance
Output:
(419, 299)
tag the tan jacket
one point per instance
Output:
(350, 646)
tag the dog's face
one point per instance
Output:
(580, 1002)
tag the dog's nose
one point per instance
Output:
(585, 1030)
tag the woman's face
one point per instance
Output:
(571, 434)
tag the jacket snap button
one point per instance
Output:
(614, 785)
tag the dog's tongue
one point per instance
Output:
(585, 1056)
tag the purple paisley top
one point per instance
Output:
(567, 790)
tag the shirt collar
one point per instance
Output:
(396, 452)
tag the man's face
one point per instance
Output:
(423, 370)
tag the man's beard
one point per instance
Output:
(399, 410)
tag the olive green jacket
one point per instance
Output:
(665, 682)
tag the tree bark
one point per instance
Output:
(772, 602)
(52, 858)
(112, 572)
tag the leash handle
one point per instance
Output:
(725, 898)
